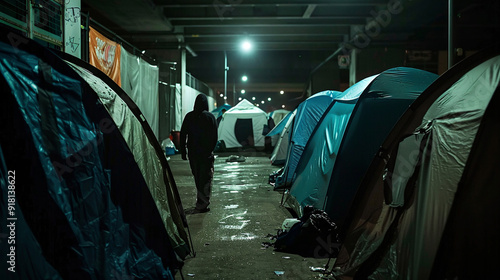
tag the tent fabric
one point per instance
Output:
(278, 156)
(315, 166)
(218, 111)
(386, 242)
(309, 112)
(140, 81)
(379, 107)
(162, 188)
(278, 115)
(27, 260)
(246, 114)
(79, 188)
(472, 225)
(105, 55)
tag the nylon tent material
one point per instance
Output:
(282, 129)
(79, 188)
(246, 120)
(379, 107)
(217, 111)
(308, 113)
(277, 116)
(148, 156)
(26, 261)
(423, 158)
(315, 166)
(472, 225)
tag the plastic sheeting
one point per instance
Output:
(316, 165)
(140, 81)
(146, 158)
(308, 114)
(244, 110)
(445, 133)
(79, 189)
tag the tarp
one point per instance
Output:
(77, 182)
(105, 54)
(394, 236)
(140, 82)
(242, 126)
(316, 164)
(309, 112)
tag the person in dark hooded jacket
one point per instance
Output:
(199, 128)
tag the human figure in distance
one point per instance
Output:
(199, 134)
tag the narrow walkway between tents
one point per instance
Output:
(244, 210)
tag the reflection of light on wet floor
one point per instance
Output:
(232, 206)
(234, 221)
(241, 236)
(240, 187)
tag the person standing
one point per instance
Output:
(199, 136)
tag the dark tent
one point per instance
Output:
(90, 208)
(403, 203)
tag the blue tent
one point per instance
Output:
(307, 115)
(315, 166)
(217, 111)
(380, 105)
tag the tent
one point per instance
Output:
(405, 199)
(308, 113)
(218, 111)
(243, 126)
(282, 130)
(82, 202)
(278, 115)
(380, 105)
(315, 167)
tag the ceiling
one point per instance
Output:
(290, 37)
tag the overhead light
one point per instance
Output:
(239, 99)
(253, 98)
(283, 106)
(262, 102)
(225, 97)
(244, 78)
(282, 92)
(269, 99)
(221, 95)
(246, 46)
(143, 51)
(243, 91)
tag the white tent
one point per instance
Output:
(242, 126)
(282, 130)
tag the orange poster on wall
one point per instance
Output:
(105, 55)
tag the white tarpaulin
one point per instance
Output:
(140, 81)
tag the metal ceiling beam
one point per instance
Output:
(309, 11)
(253, 3)
(267, 22)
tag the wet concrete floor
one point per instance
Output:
(244, 210)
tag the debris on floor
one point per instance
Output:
(279, 273)
(234, 158)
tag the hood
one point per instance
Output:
(201, 103)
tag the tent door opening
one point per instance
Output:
(243, 130)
